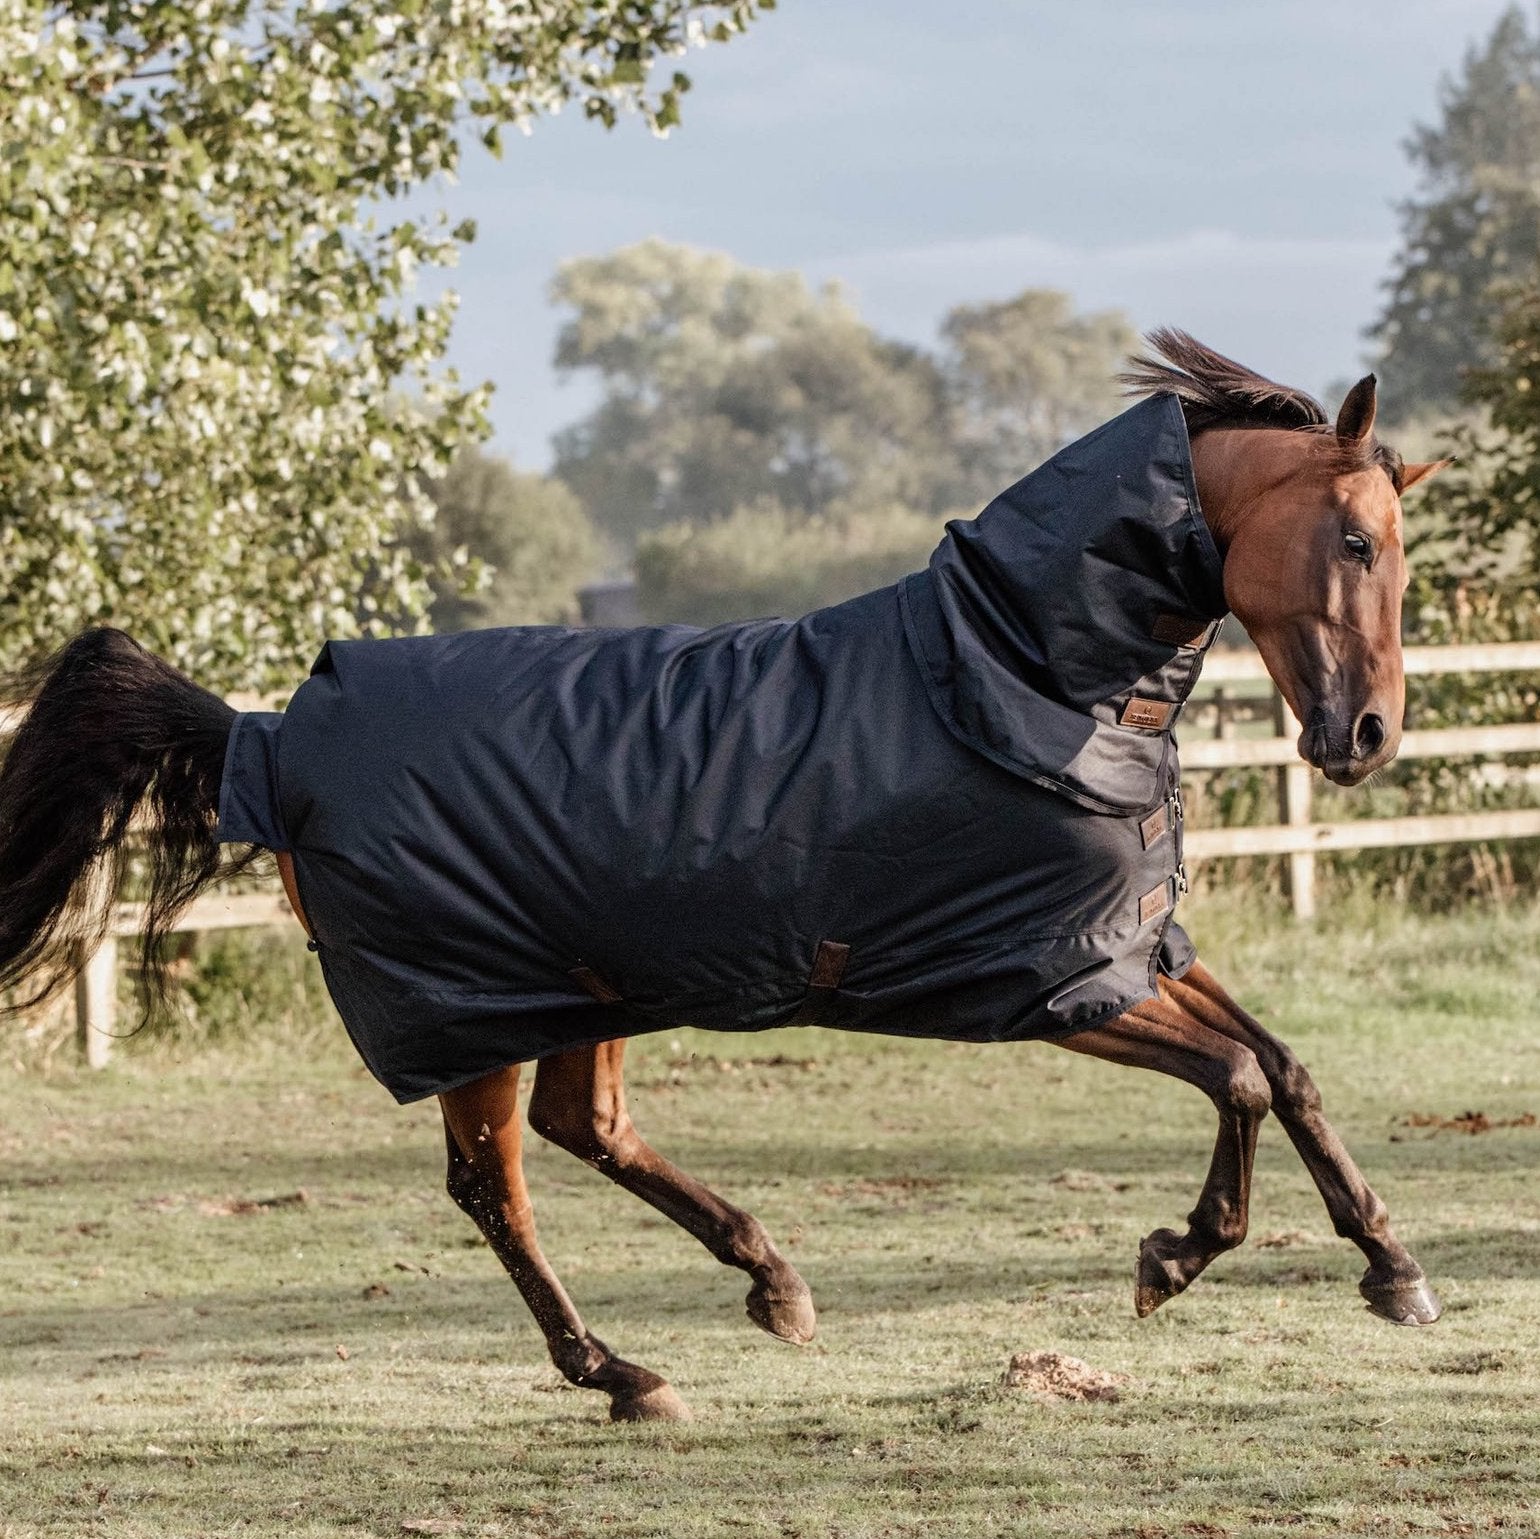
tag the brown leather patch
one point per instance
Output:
(1182, 630)
(591, 983)
(1154, 826)
(828, 965)
(1155, 902)
(1151, 714)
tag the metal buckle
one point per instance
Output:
(1182, 884)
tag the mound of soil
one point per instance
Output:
(1053, 1376)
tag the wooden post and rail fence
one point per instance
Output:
(1295, 836)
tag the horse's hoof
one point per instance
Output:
(657, 1404)
(1154, 1280)
(1406, 1302)
(786, 1311)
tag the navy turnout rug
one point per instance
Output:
(947, 808)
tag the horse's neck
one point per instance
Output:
(1235, 468)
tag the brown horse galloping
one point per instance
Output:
(969, 779)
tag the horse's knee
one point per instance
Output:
(1246, 1090)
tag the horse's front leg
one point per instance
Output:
(1394, 1285)
(579, 1103)
(1159, 1035)
(486, 1179)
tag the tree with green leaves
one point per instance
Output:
(503, 547)
(763, 560)
(1028, 375)
(726, 386)
(219, 397)
(1473, 229)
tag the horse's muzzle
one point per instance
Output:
(1348, 755)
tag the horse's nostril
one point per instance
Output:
(1368, 735)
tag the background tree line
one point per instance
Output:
(758, 448)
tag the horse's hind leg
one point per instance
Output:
(1157, 1036)
(1394, 1285)
(486, 1179)
(579, 1103)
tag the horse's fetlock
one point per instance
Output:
(579, 1360)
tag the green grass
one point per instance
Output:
(172, 1310)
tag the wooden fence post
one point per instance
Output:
(1294, 796)
(96, 1004)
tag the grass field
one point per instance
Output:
(237, 1302)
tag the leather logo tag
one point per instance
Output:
(1155, 902)
(1154, 826)
(1182, 631)
(1150, 714)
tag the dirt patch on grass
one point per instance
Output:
(1050, 1376)
(1470, 1122)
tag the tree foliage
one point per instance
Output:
(766, 560)
(1482, 517)
(522, 540)
(1474, 226)
(1027, 376)
(726, 386)
(205, 325)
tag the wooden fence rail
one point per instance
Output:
(1295, 836)
(1300, 839)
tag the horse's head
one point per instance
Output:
(1310, 527)
(1307, 515)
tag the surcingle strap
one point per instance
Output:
(591, 983)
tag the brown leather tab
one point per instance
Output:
(1155, 902)
(1154, 826)
(591, 983)
(828, 965)
(1150, 714)
(1183, 630)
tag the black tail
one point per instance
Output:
(112, 729)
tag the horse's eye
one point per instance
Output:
(1359, 546)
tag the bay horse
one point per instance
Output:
(948, 808)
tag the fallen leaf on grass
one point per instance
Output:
(1054, 1376)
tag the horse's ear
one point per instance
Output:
(1355, 422)
(1412, 474)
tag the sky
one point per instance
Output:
(1230, 168)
